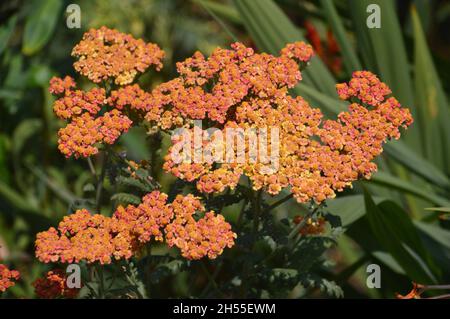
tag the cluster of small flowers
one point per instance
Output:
(73, 103)
(82, 236)
(102, 54)
(312, 226)
(316, 157)
(366, 87)
(148, 219)
(209, 88)
(7, 277)
(80, 137)
(196, 239)
(107, 53)
(97, 238)
(54, 285)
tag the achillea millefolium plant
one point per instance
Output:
(249, 255)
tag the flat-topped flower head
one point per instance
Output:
(97, 238)
(82, 136)
(85, 237)
(76, 102)
(54, 285)
(60, 86)
(206, 237)
(210, 88)
(314, 158)
(311, 226)
(366, 87)
(98, 115)
(107, 53)
(148, 219)
(8, 278)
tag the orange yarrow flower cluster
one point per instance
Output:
(97, 238)
(103, 54)
(7, 277)
(364, 86)
(82, 236)
(316, 157)
(148, 219)
(107, 53)
(312, 226)
(209, 88)
(54, 285)
(81, 136)
(207, 236)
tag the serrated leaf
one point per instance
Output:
(125, 199)
(132, 182)
(327, 286)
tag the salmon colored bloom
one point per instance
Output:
(7, 277)
(54, 285)
(175, 222)
(97, 238)
(72, 103)
(316, 157)
(81, 136)
(147, 219)
(210, 88)
(364, 86)
(207, 236)
(107, 53)
(60, 86)
(103, 54)
(82, 236)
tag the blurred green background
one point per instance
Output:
(401, 223)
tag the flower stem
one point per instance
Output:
(98, 196)
(92, 169)
(211, 279)
(101, 282)
(278, 203)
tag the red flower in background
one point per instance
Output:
(330, 53)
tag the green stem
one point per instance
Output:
(257, 209)
(211, 279)
(92, 169)
(101, 282)
(241, 214)
(437, 287)
(214, 277)
(278, 203)
(300, 225)
(257, 214)
(98, 196)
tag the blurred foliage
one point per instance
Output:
(392, 220)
